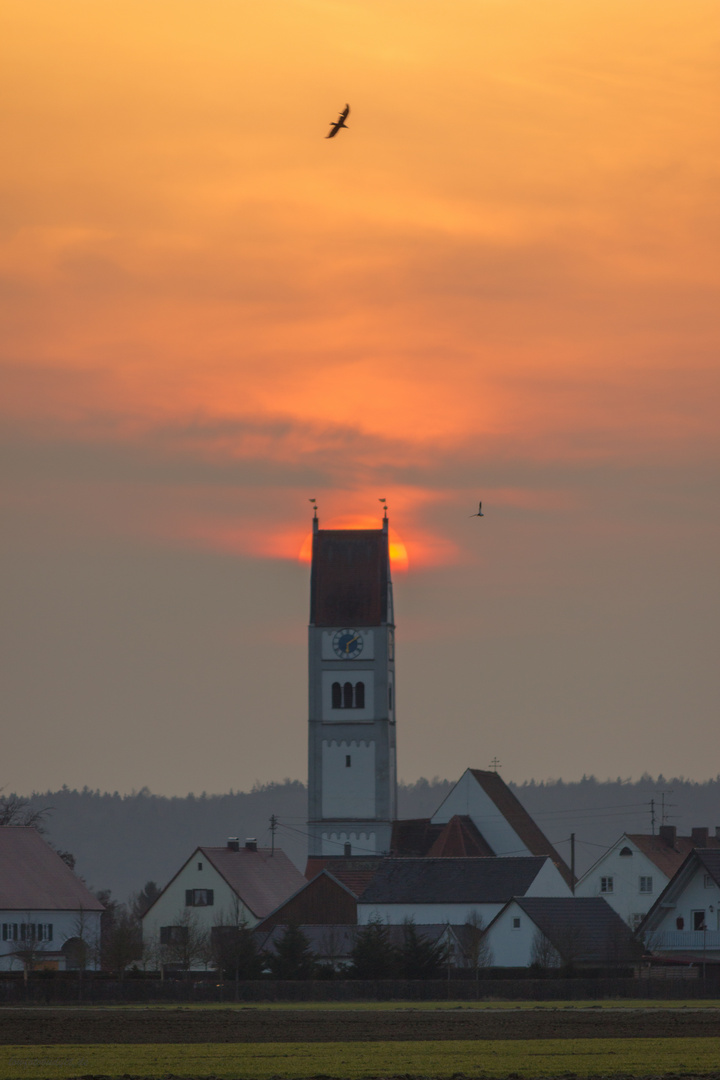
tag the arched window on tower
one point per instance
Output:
(347, 695)
(336, 695)
(360, 695)
(390, 705)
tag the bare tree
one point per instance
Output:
(543, 953)
(478, 954)
(185, 942)
(30, 945)
(15, 810)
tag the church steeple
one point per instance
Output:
(352, 785)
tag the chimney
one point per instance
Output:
(668, 834)
(233, 843)
(699, 836)
(251, 844)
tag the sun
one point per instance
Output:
(399, 559)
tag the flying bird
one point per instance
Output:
(479, 513)
(339, 123)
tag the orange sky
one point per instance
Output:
(500, 282)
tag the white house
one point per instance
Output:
(552, 931)
(221, 886)
(449, 890)
(48, 917)
(684, 921)
(635, 870)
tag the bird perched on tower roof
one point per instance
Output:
(339, 123)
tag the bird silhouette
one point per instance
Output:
(339, 123)
(479, 513)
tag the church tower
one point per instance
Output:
(352, 772)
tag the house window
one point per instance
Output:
(698, 918)
(44, 932)
(708, 881)
(10, 931)
(347, 761)
(646, 884)
(625, 851)
(199, 898)
(516, 922)
(199, 866)
(173, 935)
(606, 884)
(635, 919)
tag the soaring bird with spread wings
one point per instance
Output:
(339, 123)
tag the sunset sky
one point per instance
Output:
(500, 283)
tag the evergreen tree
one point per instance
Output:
(419, 957)
(373, 955)
(292, 957)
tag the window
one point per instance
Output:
(698, 918)
(635, 919)
(606, 884)
(708, 881)
(390, 704)
(347, 761)
(646, 884)
(10, 931)
(516, 922)
(625, 851)
(347, 696)
(199, 866)
(199, 898)
(173, 935)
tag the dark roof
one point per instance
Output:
(583, 929)
(33, 877)
(452, 881)
(711, 861)
(350, 577)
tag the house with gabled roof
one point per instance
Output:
(326, 900)
(684, 922)
(558, 931)
(48, 916)
(635, 870)
(221, 886)
(449, 890)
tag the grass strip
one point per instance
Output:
(354, 1061)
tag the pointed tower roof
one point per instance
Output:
(350, 580)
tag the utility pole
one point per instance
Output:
(652, 816)
(572, 861)
(273, 827)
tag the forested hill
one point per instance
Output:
(122, 841)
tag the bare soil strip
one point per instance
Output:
(86, 1026)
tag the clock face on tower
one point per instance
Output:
(347, 644)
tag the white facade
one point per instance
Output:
(468, 798)
(48, 935)
(349, 772)
(511, 938)
(627, 879)
(691, 902)
(200, 876)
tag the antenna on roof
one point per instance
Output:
(495, 764)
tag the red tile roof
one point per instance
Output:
(262, 879)
(669, 857)
(355, 873)
(33, 877)
(460, 837)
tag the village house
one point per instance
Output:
(683, 925)
(635, 870)
(49, 918)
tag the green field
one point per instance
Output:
(353, 1061)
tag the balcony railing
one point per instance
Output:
(685, 940)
